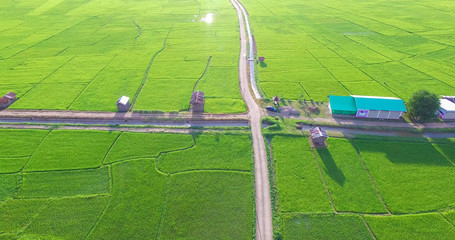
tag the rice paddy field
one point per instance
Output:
(313, 49)
(119, 185)
(85, 54)
(363, 188)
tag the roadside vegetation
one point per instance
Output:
(92, 184)
(423, 105)
(363, 188)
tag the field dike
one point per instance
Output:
(147, 71)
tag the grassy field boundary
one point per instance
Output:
(147, 71)
(203, 74)
(371, 177)
(21, 172)
(445, 218)
(276, 218)
(368, 227)
(175, 150)
(47, 76)
(350, 62)
(211, 170)
(330, 72)
(303, 88)
(110, 148)
(322, 176)
(163, 209)
(139, 29)
(103, 212)
(53, 35)
(90, 82)
(42, 208)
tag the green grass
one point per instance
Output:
(210, 152)
(70, 218)
(12, 165)
(69, 193)
(64, 183)
(412, 177)
(135, 207)
(420, 226)
(211, 211)
(298, 182)
(324, 227)
(8, 184)
(146, 145)
(450, 215)
(353, 47)
(16, 214)
(19, 143)
(347, 179)
(84, 55)
(64, 149)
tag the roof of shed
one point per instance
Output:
(317, 132)
(379, 103)
(342, 103)
(447, 105)
(4, 100)
(10, 95)
(123, 100)
(197, 97)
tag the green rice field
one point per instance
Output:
(313, 49)
(85, 54)
(118, 185)
(363, 188)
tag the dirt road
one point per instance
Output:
(135, 118)
(75, 115)
(264, 229)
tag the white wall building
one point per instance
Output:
(447, 110)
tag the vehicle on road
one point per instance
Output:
(271, 108)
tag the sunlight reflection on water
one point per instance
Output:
(208, 18)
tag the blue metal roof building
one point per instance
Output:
(342, 105)
(367, 106)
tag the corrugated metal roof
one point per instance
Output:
(317, 132)
(197, 97)
(4, 100)
(123, 100)
(342, 103)
(379, 103)
(447, 105)
(10, 95)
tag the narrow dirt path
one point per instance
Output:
(264, 229)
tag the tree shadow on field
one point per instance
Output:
(263, 64)
(331, 167)
(404, 152)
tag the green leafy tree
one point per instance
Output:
(423, 105)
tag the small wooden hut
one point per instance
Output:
(318, 137)
(197, 102)
(123, 104)
(276, 100)
(7, 100)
